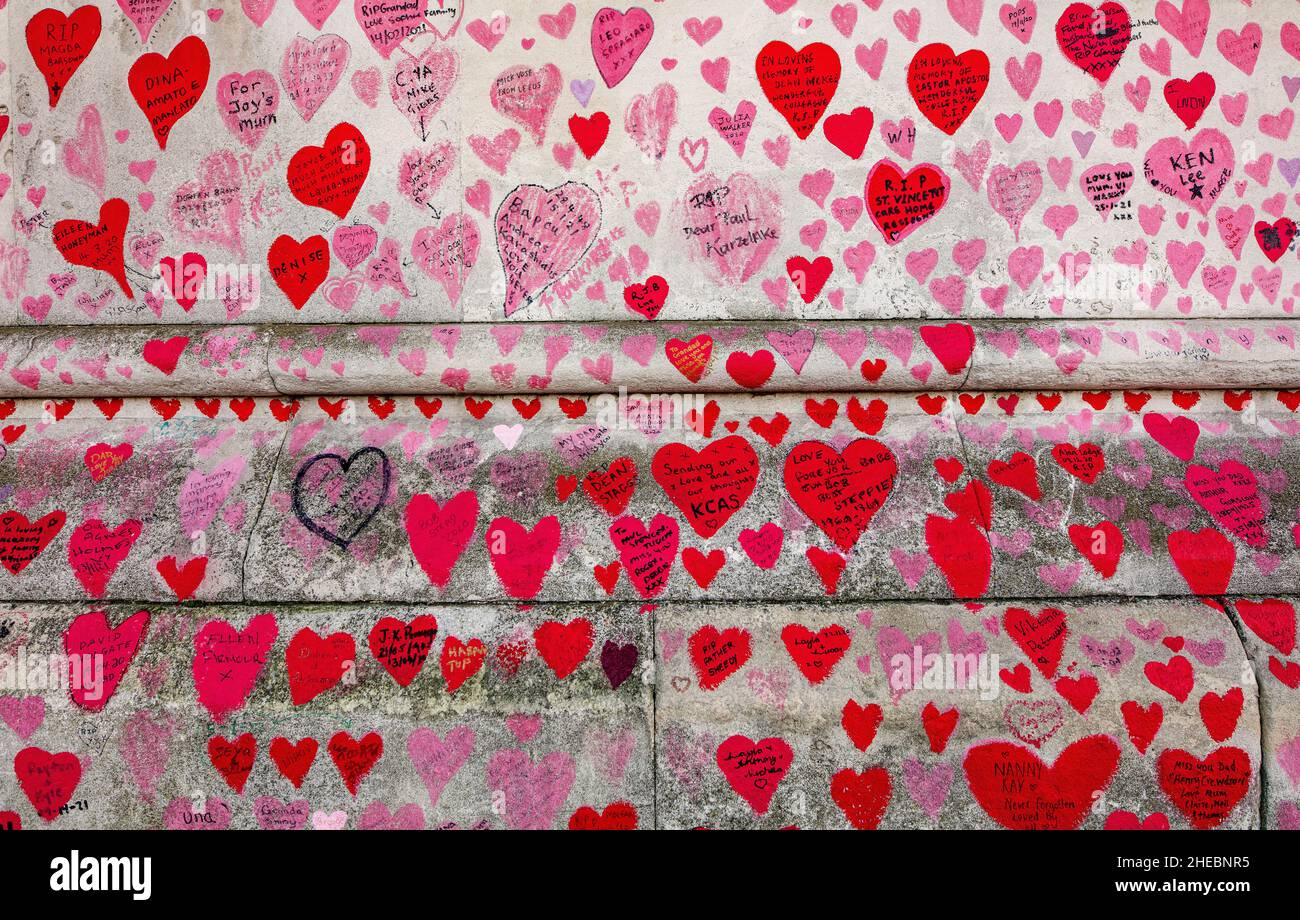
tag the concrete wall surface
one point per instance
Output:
(772, 413)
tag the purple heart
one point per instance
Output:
(1290, 170)
(618, 662)
(520, 477)
(1083, 141)
(582, 90)
(1292, 86)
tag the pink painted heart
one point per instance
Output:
(438, 760)
(714, 241)
(23, 714)
(1195, 172)
(448, 252)
(420, 85)
(311, 70)
(144, 14)
(650, 118)
(85, 156)
(618, 40)
(247, 104)
(535, 250)
(316, 11)
(533, 793)
(387, 25)
(527, 95)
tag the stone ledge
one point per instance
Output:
(561, 716)
(985, 495)
(1268, 629)
(768, 357)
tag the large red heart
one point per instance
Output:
(98, 246)
(947, 86)
(841, 492)
(952, 344)
(403, 647)
(233, 759)
(707, 485)
(294, 760)
(91, 638)
(646, 299)
(166, 88)
(851, 132)
(165, 354)
(101, 459)
(1102, 545)
(184, 277)
(1205, 559)
(617, 816)
(646, 551)
(1205, 791)
(898, 203)
(48, 780)
(438, 536)
(331, 176)
(59, 43)
(863, 797)
(1221, 712)
(520, 557)
(860, 722)
(299, 268)
(460, 660)
(21, 540)
(1177, 434)
(227, 662)
(94, 552)
(1272, 619)
(1094, 39)
(755, 768)
(1142, 723)
(1085, 462)
(961, 551)
(1019, 472)
(816, 653)
(355, 759)
(1231, 496)
(751, 371)
(589, 133)
(1275, 239)
(185, 579)
(716, 655)
(1189, 99)
(1041, 638)
(1175, 677)
(1021, 792)
(612, 488)
(690, 358)
(799, 84)
(809, 277)
(564, 646)
(316, 664)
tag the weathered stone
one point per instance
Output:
(514, 744)
(1268, 631)
(132, 506)
(849, 688)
